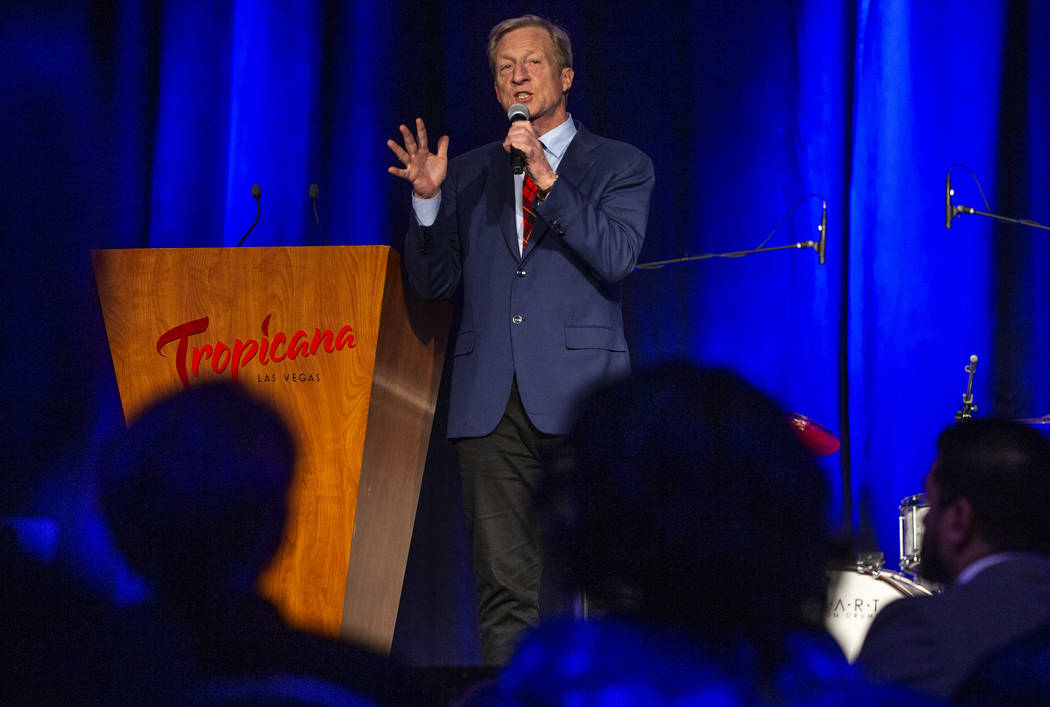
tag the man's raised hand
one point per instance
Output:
(424, 169)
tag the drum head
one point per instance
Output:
(855, 597)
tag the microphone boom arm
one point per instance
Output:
(960, 209)
(818, 246)
(656, 265)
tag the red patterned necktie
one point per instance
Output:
(528, 201)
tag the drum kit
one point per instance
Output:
(857, 592)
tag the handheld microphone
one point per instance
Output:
(949, 210)
(313, 198)
(256, 193)
(517, 158)
(823, 232)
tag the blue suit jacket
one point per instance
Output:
(932, 643)
(551, 317)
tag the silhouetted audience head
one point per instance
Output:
(989, 490)
(688, 500)
(195, 490)
(196, 493)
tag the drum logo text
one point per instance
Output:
(856, 608)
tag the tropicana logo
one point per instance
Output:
(264, 349)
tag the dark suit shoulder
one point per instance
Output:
(1024, 568)
(908, 622)
(612, 151)
(615, 150)
(931, 643)
(903, 646)
(907, 614)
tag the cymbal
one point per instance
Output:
(1043, 421)
(817, 438)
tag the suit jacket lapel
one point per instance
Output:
(502, 194)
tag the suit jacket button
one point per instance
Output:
(517, 319)
(520, 272)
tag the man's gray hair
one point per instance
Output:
(559, 38)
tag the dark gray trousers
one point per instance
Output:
(501, 473)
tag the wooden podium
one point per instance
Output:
(333, 338)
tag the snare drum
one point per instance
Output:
(912, 510)
(855, 595)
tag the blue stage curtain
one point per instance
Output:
(935, 86)
(153, 121)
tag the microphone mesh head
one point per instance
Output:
(256, 191)
(313, 191)
(518, 112)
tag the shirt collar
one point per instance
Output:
(557, 139)
(974, 568)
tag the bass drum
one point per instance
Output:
(855, 595)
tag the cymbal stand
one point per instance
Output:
(965, 412)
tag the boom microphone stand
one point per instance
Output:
(817, 245)
(953, 210)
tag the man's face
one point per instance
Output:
(933, 553)
(527, 73)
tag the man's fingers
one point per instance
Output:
(410, 142)
(415, 155)
(526, 146)
(522, 126)
(421, 134)
(398, 151)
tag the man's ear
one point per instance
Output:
(959, 527)
(567, 75)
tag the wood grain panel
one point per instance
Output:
(409, 358)
(326, 397)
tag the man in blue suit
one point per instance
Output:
(988, 540)
(540, 257)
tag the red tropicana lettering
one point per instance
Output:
(299, 345)
(218, 363)
(265, 349)
(279, 338)
(345, 338)
(182, 334)
(198, 354)
(319, 337)
(265, 344)
(243, 352)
